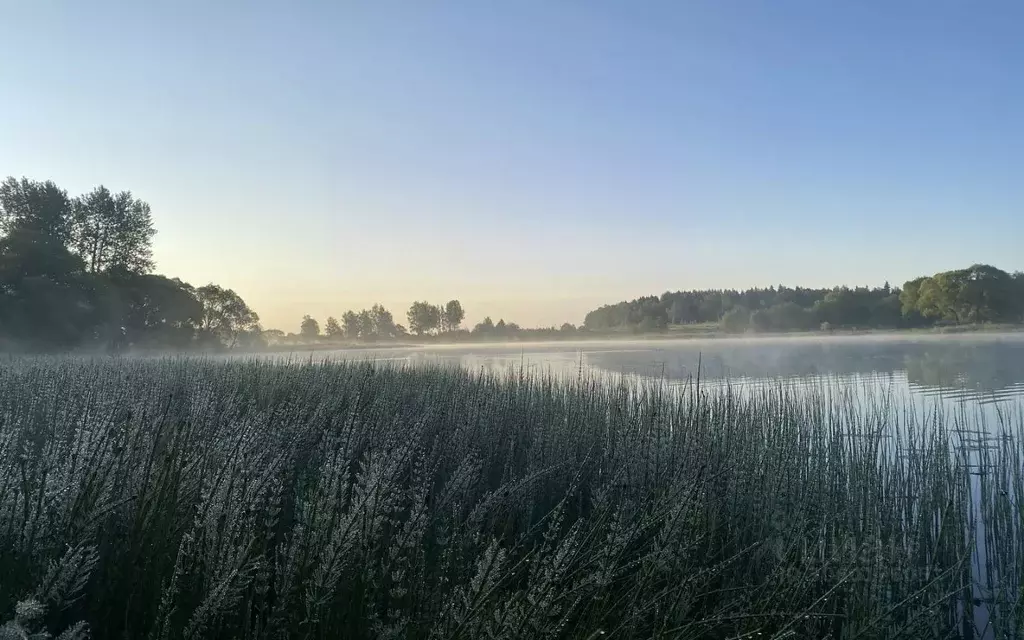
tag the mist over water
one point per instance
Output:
(981, 369)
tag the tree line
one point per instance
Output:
(978, 294)
(76, 273)
(425, 321)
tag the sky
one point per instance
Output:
(531, 158)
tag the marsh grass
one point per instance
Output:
(188, 498)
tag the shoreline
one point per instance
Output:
(679, 335)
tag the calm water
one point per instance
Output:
(976, 369)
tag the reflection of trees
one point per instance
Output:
(755, 359)
(982, 365)
(978, 367)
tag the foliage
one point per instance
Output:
(350, 324)
(371, 324)
(485, 326)
(75, 275)
(40, 208)
(310, 328)
(382, 323)
(113, 232)
(191, 498)
(331, 328)
(452, 316)
(978, 294)
(736, 320)
(273, 336)
(225, 315)
(423, 318)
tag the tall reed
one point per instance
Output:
(190, 498)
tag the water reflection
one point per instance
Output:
(977, 368)
(980, 368)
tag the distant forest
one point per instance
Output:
(76, 274)
(979, 294)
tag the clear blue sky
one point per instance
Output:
(532, 158)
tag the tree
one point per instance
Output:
(761, 320)
(40, 208)
(225, 315)
(382, 321)
(332, 328)
(310, 328)
(423, 318)
(350, 325)
(25, 252)
(788, 316)
(979, 293)
(736, 320)
(155, 312)
(989, 294)
(113, 232)
(484, 327)
(453, 315)
(1018, 293)
(45, 302)
(75, 273)
(939, 297)
(273, 336)
(366, 326)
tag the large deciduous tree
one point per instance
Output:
(310, 328)
(383, 322)
(155, 312)
(452, 315)
(225, 315)
(113, 232)
(331, 328)
(41, 210)
(423, 318)
(350, 324)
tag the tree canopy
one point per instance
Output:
(76, 274)
(977, 294)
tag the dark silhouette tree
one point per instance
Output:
(350, 324)
(74, 273)
(41, 209)
(225, 315)
(423, 318)
(383, 322)
(331, 328)
(113, 232)
(310, 328)
(453, 315)
(485, 327)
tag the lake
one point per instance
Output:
(981, 369)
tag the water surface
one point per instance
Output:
(982, 369)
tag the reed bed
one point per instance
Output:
(192, 498)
